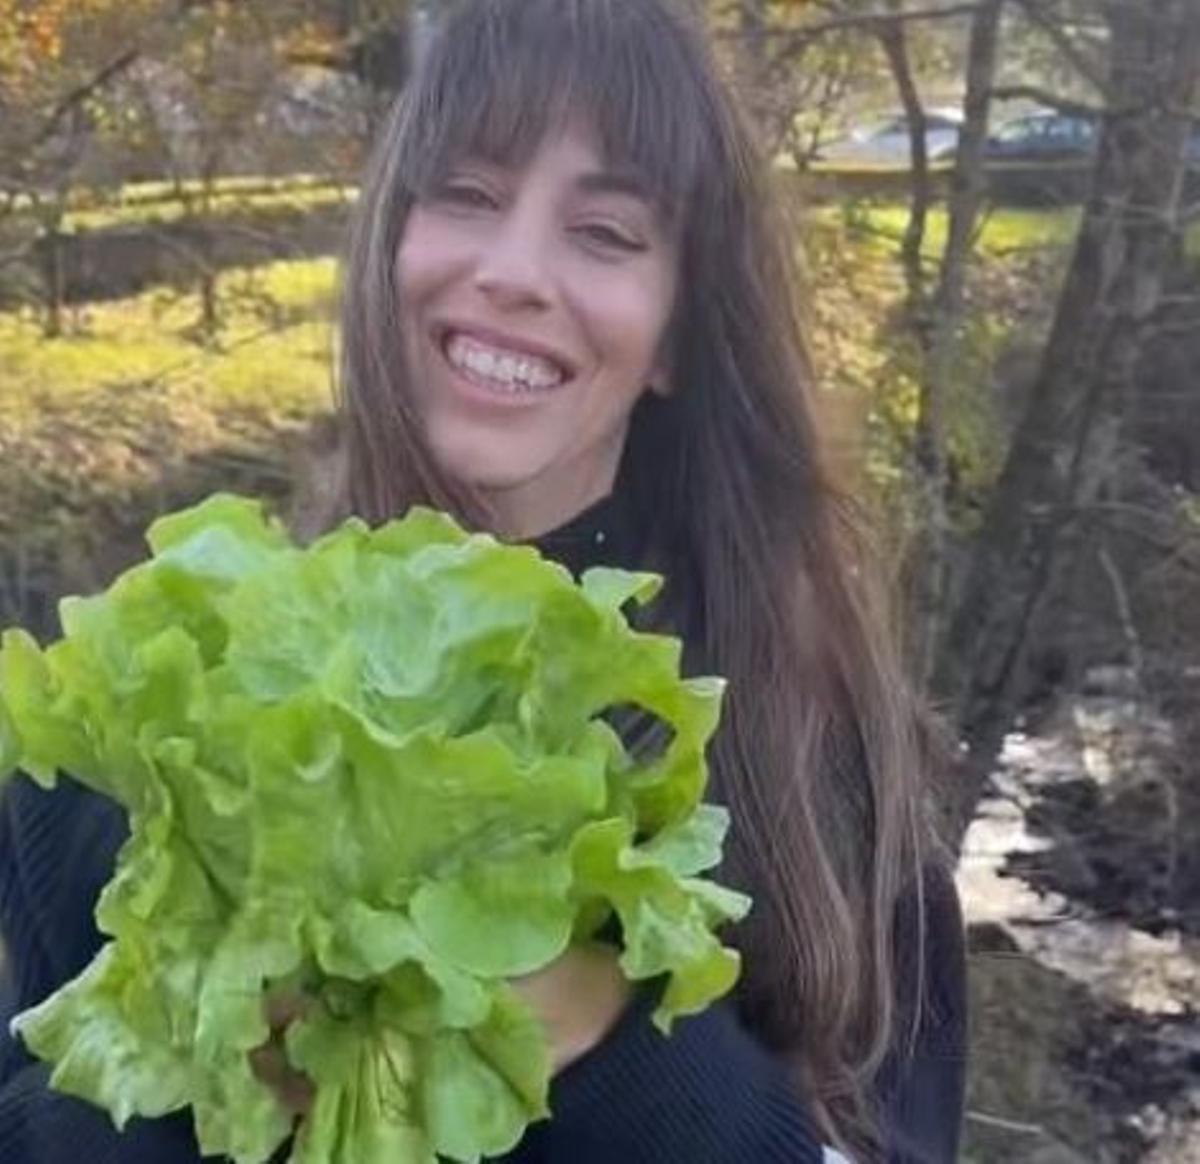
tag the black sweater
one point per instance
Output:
(709, 1094)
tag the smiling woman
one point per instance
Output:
(569, 317)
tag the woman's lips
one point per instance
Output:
(503, 342)
(506, 366)
(505, 377)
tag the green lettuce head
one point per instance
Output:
(379, 770)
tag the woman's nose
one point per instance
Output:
(513, 268)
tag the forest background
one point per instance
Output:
(1008, 342)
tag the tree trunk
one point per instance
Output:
(893, 38)
(1060, 453)
(210, 314)
(53, 280)
(929, 565)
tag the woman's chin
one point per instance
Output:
(487, 475)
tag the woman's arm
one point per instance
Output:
(56, 851)
(707, 1094)
(710, 1092)
(41, 1126)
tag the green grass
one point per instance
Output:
(786, 162)
(147, 203)
(272, 351)
(124, 402)
(129, 415)
(1004, 230)
(226, 202)
(141, 194)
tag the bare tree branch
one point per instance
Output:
(1091, 71)
(992, 1121)
(872, 20)
(893, 39)
(81, 93)
(792, 42)
(930, 568)
(1124, 611)
(114, 68)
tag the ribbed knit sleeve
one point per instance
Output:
(25, 965)
(40, 1126)
(56, 851)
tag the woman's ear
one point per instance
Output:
(661, 384)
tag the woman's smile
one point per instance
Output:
(505, 368)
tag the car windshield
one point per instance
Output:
(899, 125)
(1047, 128)
(1023, 129)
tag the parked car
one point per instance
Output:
(888, 141)
(1193, 149)
(1047, 136)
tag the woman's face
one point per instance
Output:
(536, 301)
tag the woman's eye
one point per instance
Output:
(469, 195)
(610, 237)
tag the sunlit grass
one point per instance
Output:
(225, 202)
(132, 195)
(98, 423)
(271, 354)
(1001, 230)
(135, 193)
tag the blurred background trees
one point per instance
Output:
(998, 214)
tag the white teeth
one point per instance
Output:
(507, 371)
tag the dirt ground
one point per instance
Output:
(1080, 879)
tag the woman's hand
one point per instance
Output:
(269, 1062)
(578, 999)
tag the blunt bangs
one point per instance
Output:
(502, 74)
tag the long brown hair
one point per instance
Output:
(816, 756)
